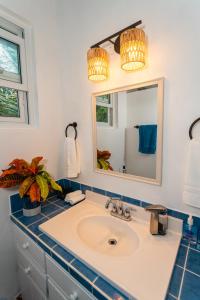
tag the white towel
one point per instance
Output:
(74, 198)
(73, 194)
(191, 192)
(71, 157)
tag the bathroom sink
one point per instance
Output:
(123, 252)
(107, 235)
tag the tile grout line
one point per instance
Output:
(95, 279)
(31, 223)
(183, 275)
(192, 272)
(194, 249)
(58, 209)
(54, 246)
(71, 261)
(172, 296)
(61, 207)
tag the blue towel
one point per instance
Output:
(147, 139)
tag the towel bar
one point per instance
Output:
(74, 125)
(191, 127)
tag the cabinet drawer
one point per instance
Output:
(28, 246)
(32, 271)
(66, 282)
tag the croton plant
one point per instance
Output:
(33, 180)
(103, 160)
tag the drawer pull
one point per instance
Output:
(73, 296)
(25, 245)
(27, 270)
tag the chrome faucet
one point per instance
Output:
(118, 210)
(159, 219)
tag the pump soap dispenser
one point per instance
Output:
(190, 230)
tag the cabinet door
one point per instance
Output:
(71, 287)
(24, 284)
(36, 293)
(54, 292)
(28, 288)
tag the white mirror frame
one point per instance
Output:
(160, 96)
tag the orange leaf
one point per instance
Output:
(35, 161)
(10, 180)
(7, 172)
(34, 192)
(34, 164)
(21, 166)
(19, 163)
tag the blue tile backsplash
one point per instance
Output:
(185, 281)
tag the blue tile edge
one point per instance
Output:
(16, 202)
(127, 199)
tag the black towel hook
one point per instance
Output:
(191, 127)
(74, 125)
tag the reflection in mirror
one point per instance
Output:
(126, 131)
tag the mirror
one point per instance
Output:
(127, 127)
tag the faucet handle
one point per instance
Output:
(127, 212)
(156, 208)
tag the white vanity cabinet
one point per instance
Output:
(31, 267)
(40, 277)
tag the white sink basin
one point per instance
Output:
(107, 235)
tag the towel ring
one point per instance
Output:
(74, 125)
(191, 127)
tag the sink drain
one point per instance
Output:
(112, 242)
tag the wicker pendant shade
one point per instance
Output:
(132, 49)
(98, 64)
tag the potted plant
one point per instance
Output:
(34, 183)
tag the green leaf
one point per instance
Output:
(55, 186)
(40, 168)
(46, 175)
(104, 164)
(43, 185)
(25, 185)
(51, 181)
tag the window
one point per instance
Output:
(104, 110)
(14, 90)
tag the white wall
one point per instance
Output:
(45, 140)
(142, 110)
(174, 43)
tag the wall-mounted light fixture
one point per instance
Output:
(129, 42)
(98, 64)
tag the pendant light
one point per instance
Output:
(132, 49)
(98, 64)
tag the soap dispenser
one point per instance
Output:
(190, 231)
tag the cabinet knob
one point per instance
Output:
(25, 245)
(27, 270)
(73, 296)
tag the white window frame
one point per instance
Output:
(20, 42)
(27, 88)
(112, 107)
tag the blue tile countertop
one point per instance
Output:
(185, 281)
